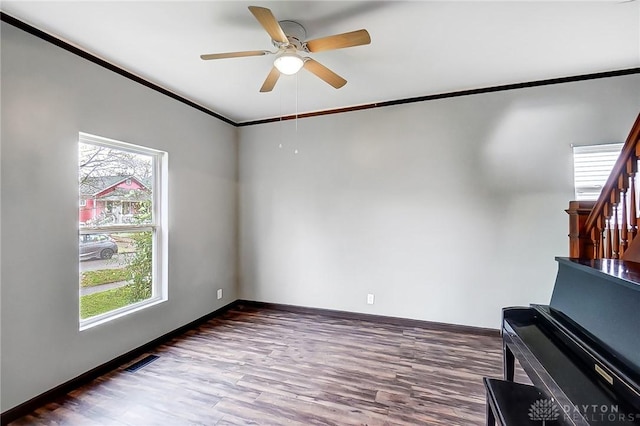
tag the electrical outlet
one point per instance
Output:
(219, 293)
(370, 299)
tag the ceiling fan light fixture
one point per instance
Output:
(289, 37)
(288, 63)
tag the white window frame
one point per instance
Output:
(158, 227)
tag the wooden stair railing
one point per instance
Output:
(607, 228)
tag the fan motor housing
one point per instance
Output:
(294, 32)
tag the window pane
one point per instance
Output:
(115, 271)
(116, 186)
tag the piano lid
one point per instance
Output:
(620, 271)
(603, 297)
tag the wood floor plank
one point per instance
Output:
(271, 367)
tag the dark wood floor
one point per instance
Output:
(271, 367)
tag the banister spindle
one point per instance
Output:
(615, 234)
(608, 249)
(609, 253)
(632, 168)
(595, 240)
(600, 229)
(614, 199)
(624, 228)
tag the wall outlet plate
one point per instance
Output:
(370, 299)
(219, 293)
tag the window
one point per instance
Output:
(122, 244)
(83, 203)
(592, 165)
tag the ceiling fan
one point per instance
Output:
(288, 37)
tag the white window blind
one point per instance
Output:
(592, 166)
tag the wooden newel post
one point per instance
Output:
(580, 242)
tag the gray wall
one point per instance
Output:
(48, 96)
(446, 210)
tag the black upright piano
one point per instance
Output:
(583, 349)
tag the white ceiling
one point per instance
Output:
(418, 48)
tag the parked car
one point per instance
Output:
(99, 246)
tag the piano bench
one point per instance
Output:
(511, 403)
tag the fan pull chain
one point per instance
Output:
(295, 151)
(280, 124)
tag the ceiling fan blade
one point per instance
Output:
(235, 54)
(271, 80)
(339, 41)
(324, 73)
(269, 22)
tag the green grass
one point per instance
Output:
(104, 301)
(102, 276)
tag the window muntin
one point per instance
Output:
(122, 228)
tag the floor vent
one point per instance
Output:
(139, 364)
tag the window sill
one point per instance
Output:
(119, 313)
